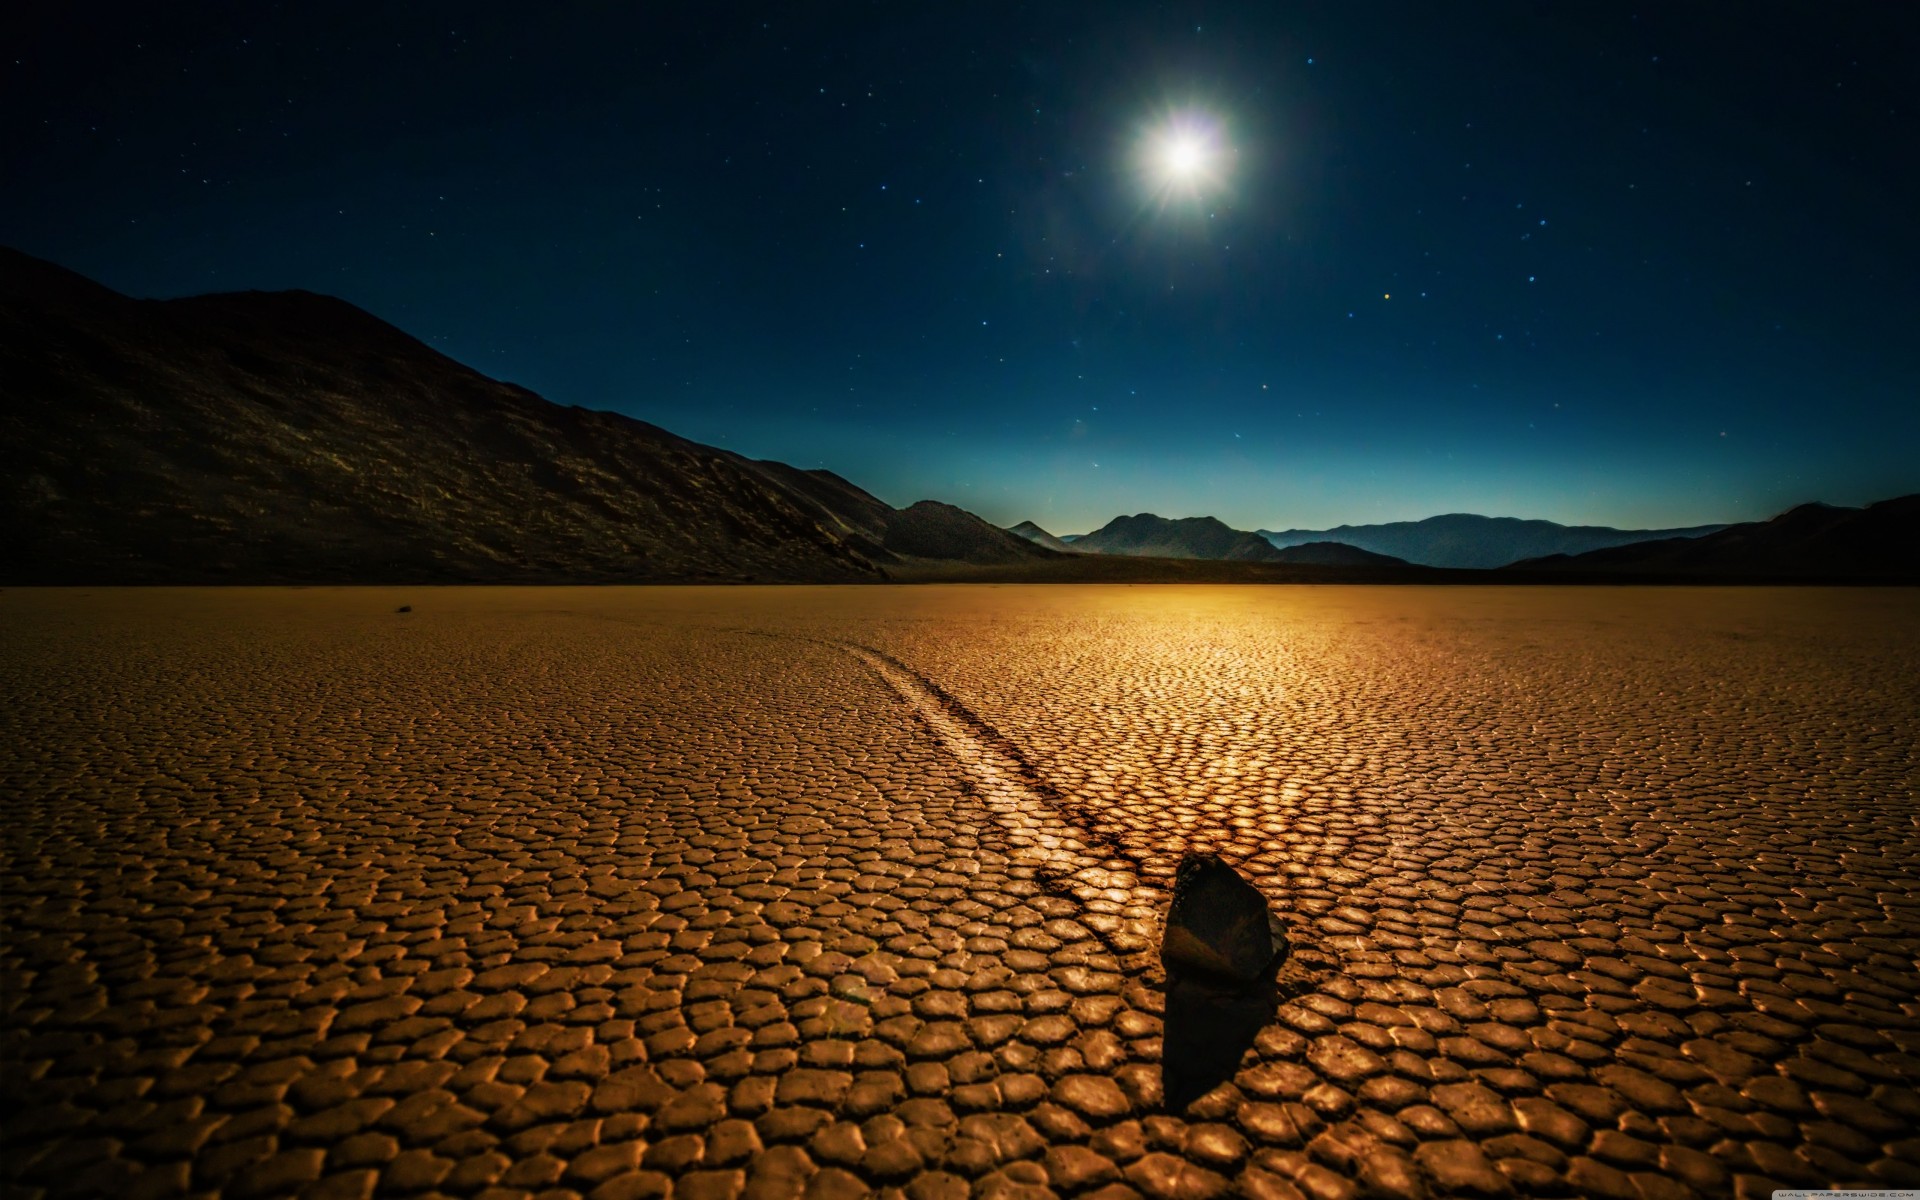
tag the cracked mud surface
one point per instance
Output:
(830, 892)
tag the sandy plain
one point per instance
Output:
(840, 891)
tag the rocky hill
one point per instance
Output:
(290, 437)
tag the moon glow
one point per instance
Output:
(1184, 157)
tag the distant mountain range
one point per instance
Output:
(1149, 536)
(1814, 542)
(291, 437)
(1878, 543)
(1468, 540)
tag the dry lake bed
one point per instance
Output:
(844, 891)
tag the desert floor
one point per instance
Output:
(830, 891)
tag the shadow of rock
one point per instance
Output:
(1207, 1028)
(1221, 948)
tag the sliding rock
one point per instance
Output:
(1218, 925)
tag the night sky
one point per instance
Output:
(1579, 262)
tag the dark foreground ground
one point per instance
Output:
(775, 892)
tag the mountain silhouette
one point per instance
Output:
(1040, 537)
(1810, 543)
(287, 437)
(1336, 554)
(1469, 540)
(1147, 535)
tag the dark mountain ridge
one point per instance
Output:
(1809, 543)
(1471, 540)
(289, 437)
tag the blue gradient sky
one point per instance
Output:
(1643, 270)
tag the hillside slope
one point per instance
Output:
(290, 437)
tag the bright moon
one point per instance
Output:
(1184, 157)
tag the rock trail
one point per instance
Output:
(1123, 903)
